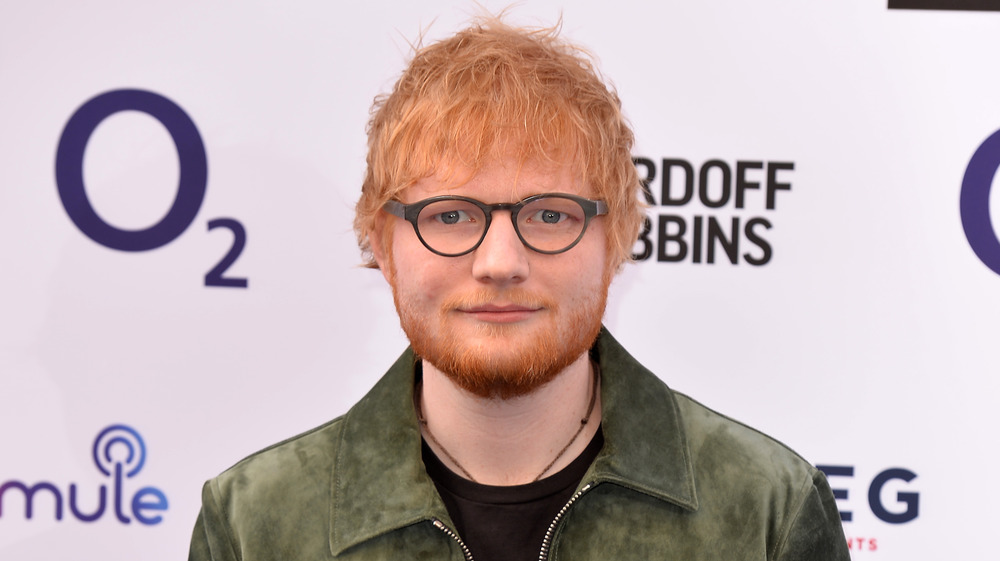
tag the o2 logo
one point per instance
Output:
(119, 453)
(190, 189)
(975, 202)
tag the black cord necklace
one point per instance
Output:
(465, 472)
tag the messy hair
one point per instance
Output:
(494, 91)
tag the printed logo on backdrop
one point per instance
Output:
(975, 202)
(736, 204)
(965, 5)
(191, 187)
(877, 497)
(119, 453)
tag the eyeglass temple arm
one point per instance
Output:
(395, 208)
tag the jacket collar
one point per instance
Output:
(379, 480)
(645, 444)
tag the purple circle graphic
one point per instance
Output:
(974, 202)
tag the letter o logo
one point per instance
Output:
(190, 152)
(975, 202)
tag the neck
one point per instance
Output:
(510, 442)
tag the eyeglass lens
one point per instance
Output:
(546, 224)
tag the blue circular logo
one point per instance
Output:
(128, 440)
(975, 202)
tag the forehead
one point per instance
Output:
(498, 181)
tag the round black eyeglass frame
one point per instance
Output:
(410, 212)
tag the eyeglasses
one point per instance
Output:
(452, 226)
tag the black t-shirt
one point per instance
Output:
(507, 523)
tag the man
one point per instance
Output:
(499, 202)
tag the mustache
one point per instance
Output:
(493, 297)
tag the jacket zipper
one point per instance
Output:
(543, 555)
(448, 531)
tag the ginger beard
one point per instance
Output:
(502, 361)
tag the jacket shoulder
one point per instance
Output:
(740, 469)
(310, 451)
(292, 473)
(716, 440)
(265, 503)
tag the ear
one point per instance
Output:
(378, 240)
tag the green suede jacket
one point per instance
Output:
(674, 480)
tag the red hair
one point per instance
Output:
(494, 91)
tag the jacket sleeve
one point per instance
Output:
(210, 540)
(815, 532)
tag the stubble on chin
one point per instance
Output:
(498, 360)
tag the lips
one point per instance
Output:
(501, 308)
(500, 313)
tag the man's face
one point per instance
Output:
(503, 320)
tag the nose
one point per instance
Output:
(501, 258)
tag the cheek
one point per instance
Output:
(422, 277)
(601, 254)
(590, 268)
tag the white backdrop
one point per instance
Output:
(867, 341)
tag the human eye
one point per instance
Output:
(454, 216)
(552, 211)
(450, 216)
(547, 216)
